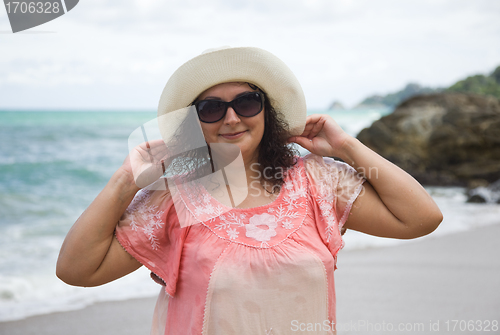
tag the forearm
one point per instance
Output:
(89, 239)
(403, 196)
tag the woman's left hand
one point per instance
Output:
(393, 204)
(322, 136)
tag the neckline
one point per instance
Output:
(278, 199)
(275, 201)
(187, 199)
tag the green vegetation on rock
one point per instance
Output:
(477, 84)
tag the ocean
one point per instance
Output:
(53, 164)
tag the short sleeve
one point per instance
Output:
(334, 186)
(149, 230)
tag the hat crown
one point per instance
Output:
(237, 64)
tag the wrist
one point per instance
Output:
(123, 182)
(346, 149)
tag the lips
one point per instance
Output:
(233, 136)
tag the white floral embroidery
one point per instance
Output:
(294, 194)
(232, 233)
(139, 210)
(133, 224)
(325, 206)
(331, 222)
(325, 184)
(150, 233)
(203, 205)
(232, 219)
(259, 234)
(282, 213)
(262, 224)
(287, 224)
(207, 208)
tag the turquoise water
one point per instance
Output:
(53, 164)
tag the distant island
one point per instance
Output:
(477, 84)
(336, 105)
(393, 99)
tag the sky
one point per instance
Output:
(118, 55)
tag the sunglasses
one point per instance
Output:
(247, 105)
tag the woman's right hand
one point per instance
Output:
(90, 254)
(146, 162)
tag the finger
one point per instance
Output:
(307, 129)
(143, 153)
(157, 143)
(155, 149)
(313, 119)
(317, 127)
(151, 144)
(311, 123)
(157, 279)
(159, 152)
(303, 142)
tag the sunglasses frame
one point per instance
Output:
(228, 104)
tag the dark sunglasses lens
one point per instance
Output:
(248, 105)
(210, 111)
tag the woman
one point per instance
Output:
(268, 262)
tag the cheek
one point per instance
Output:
(209, 131)
(261, 124)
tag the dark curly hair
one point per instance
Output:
(275, 154)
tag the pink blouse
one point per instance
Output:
(262, 270)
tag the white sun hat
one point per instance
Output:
(241, 64)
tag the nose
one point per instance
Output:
(231, 117)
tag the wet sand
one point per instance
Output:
(419, 287)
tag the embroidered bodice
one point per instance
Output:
(252, 270)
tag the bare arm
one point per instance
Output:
(393, 203)
(90, 254)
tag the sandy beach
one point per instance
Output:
(442, 285)
(422, 286)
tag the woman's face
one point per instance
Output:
(245, 132)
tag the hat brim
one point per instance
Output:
(244, 64)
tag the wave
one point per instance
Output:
(54, 165)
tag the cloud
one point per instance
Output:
(338, 49)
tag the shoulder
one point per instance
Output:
(318, 167)
(156, 194)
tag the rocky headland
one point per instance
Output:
(446, 139)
